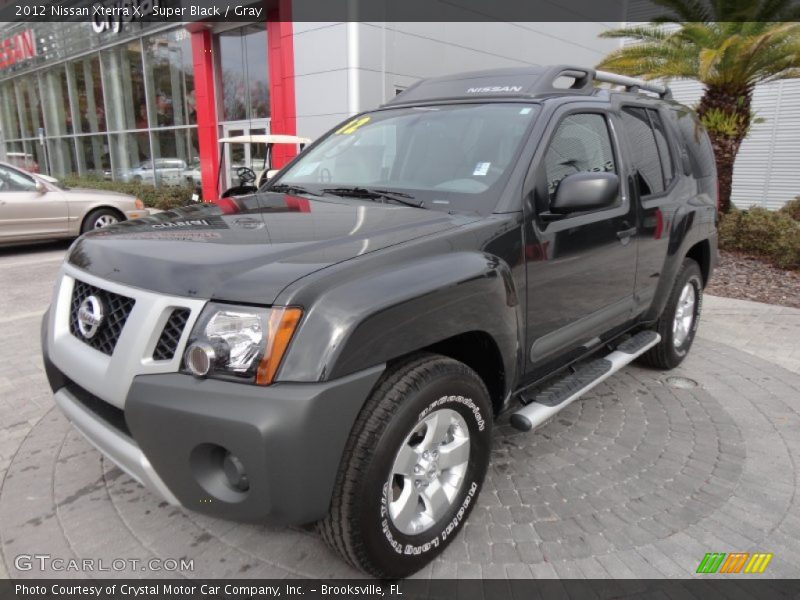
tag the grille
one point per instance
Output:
(171, 334)
(116, 311)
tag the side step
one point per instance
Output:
(562, 393)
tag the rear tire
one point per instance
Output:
(678, 322)
(413, 467)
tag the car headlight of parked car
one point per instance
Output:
(138, 204)
(242, 343)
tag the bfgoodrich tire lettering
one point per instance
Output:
(675, 345)
(360, 525)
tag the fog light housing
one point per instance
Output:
(199, 358)
(235, 473)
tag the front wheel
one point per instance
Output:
(413, 467)
(97, 219)
(678, 323)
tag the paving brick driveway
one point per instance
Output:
(640, 479)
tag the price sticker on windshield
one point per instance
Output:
(352, 126)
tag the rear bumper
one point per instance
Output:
(289, 438)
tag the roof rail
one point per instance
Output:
(633, 84)
(519, 82)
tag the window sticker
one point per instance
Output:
(481, 169)
(352, 126)
(525, 111)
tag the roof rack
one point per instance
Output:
(632, 84)
(520, 82)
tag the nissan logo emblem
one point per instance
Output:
(90, 316)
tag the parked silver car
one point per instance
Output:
(37, 207)
(167, 171)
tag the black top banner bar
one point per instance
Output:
(611, 11)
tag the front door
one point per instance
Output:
(580, 267)
(27, 213)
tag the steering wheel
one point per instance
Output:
(245, 174)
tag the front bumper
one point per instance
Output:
(289, 437)
(138, 213)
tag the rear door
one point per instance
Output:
(26, 213)
(581, 267)
(655, 185)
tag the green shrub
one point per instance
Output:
(773, 236)
(792, 209)
(163, 197)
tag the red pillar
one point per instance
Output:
(280, 60)
(206, 106)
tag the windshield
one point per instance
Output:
(453, 157)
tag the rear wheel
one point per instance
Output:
(413, 467)
(97, 219)
(678, 323)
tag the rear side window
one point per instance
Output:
(646, 157)
(581, 143)
(663, 147)
(695, 140)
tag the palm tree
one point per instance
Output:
(727, 45)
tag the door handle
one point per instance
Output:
(626, 233)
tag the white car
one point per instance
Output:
(168, 171)
(37, 207)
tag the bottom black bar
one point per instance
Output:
(701, 588)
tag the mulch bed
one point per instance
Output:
(747, 278)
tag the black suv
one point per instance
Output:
(335, 347)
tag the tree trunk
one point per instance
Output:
(736, 103)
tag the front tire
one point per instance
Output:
(678, 323)
(413, 467)
(99, 218)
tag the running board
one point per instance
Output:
(562, 393)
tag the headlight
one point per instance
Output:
(138, 204)
(240, 342)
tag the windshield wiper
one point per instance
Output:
(288, 188)
(360, 192)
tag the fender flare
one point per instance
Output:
(358, 323)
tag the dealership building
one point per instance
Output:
(88, 99)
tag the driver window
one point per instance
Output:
(14, 181)
(581, 143)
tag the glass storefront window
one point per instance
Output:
(174, 152)
(55, 95)
(255, 49)
(27, 155)
(123, 82)
(232, 67)
(171, 80)
(8, 110)
(30, 108)
(92, 154)
(131, 158)
(62, 156)
(243, 69)
(98, 118)
(91, 112)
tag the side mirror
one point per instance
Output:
(40, 188)
(588, 190)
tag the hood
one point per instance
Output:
(248, 249)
